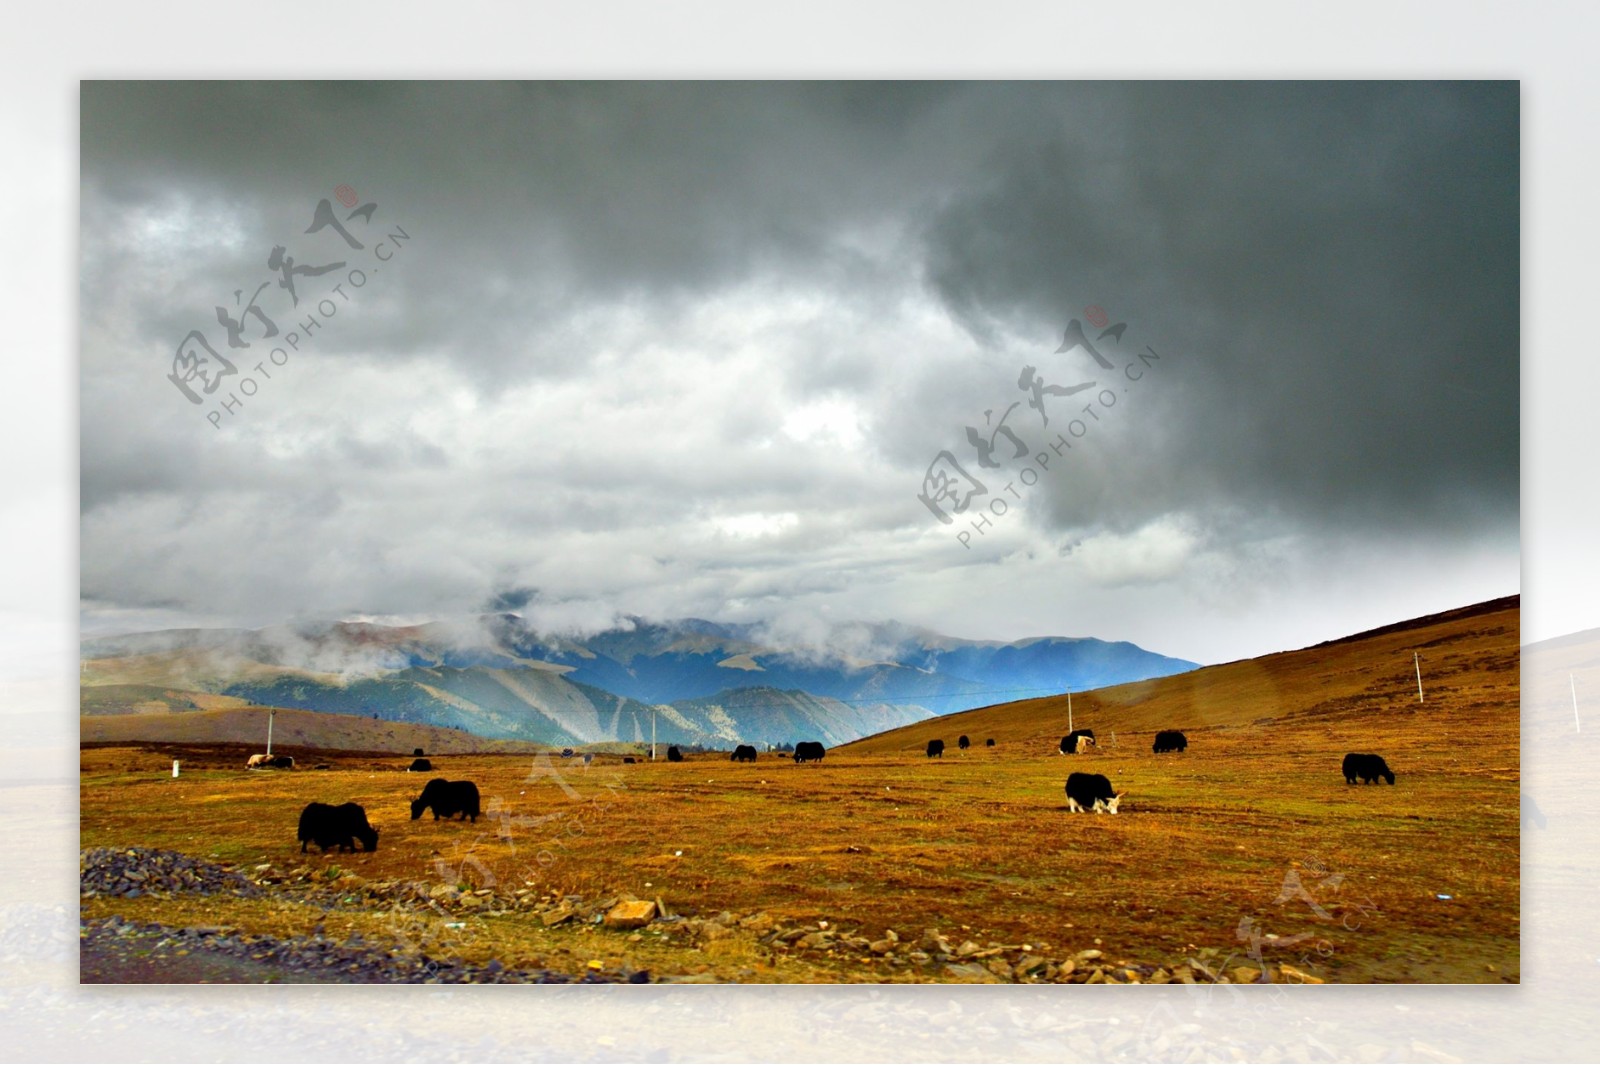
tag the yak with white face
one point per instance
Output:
(1091, 791)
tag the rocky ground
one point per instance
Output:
(116, 949)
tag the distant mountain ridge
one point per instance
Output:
(493, 675)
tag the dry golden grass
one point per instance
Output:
(979, 843)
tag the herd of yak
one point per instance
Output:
(342, 826)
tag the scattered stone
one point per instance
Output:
(1246, 974)
(115, 871)
(1087, 955)
(971, 971)
(555, 916)
(1289, 972)
(631, 914)
(759, 923)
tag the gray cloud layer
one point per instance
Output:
(689, 348)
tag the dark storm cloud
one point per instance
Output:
(691, 346)
(1337, 263)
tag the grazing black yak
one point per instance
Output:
(988, 743)
(336, 826)
(743, 753)
(1169, 740)
(420, 765)
(936, 748)
(963, 743)
(1091, 791)
(1077, 741)
(447, 798)
(809, 751)
(1369, 767)
(627, 761)
(674, 755)
(416, 752)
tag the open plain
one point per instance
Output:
(1246, 852)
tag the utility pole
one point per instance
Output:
(270, 715)
(1417, 662)
(653, 714)
(1069, 710)
(1576, 724)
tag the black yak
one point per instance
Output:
(743, 753)
(1091, 791)
(809, 751)
(674, 755)
(416, 752)
(936, 748)
(336, 826)
(447, 798)
(963, 743)
(1369, 767)
(1077, 741)
(627, 761)
(1169, 740)
(420, 765)
(988, 743)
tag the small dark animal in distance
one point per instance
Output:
(1369, 767)
(1077, 741)
(1169, 740)
(743, 753)
(809, 751)
(1091, 791)
(336, 826)
(936, 748)
(447, 798)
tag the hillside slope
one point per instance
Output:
(1469, 660)
(291, 730)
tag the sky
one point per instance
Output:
(697, 349)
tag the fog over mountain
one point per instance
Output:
(693, 681)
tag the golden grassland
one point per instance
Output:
(1252, 833)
